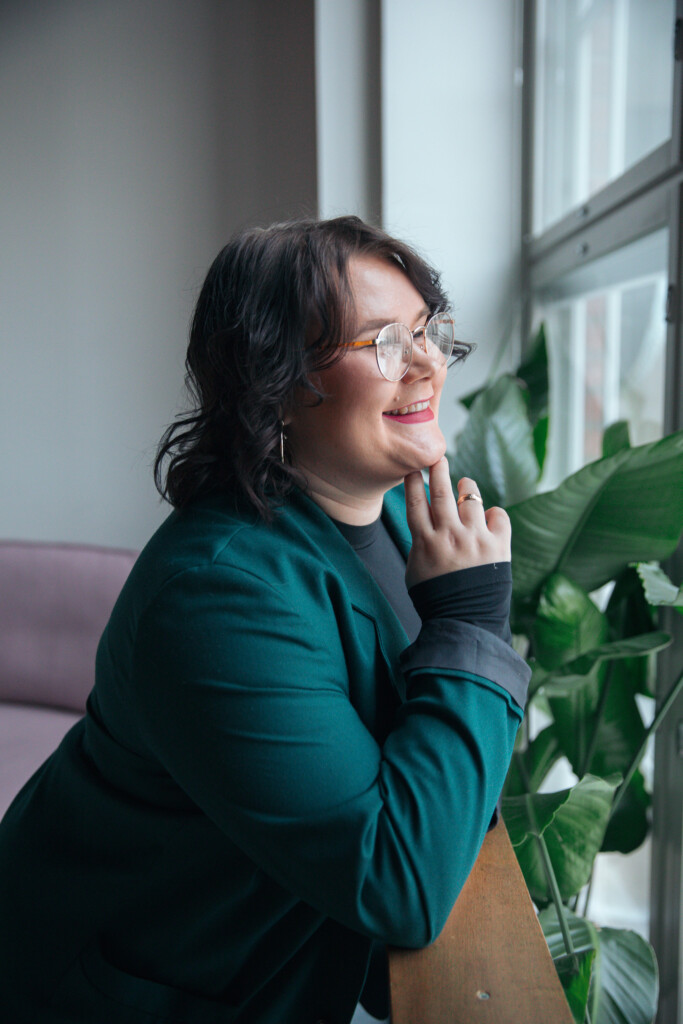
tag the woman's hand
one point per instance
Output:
(448, 536)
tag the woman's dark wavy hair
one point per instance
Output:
(274, 308)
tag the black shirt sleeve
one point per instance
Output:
(480, 595)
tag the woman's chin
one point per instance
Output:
(427, 454)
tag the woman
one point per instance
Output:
(304, 707)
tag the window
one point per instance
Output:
(602, 224)
(604, 73)
(607, 341)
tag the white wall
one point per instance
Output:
(451, 134)
(135, 138)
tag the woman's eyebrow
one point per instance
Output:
(377, 325)
(374, 325)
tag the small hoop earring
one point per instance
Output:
(282, 441)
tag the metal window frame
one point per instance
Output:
(648, 196)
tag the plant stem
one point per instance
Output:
(599, 712)
(551, 879)
(656, 722)
(588, 892)
(524, 774)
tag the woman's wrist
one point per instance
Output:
(479, 595)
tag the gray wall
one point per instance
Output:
(135, 136)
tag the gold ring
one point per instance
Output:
(469, 497)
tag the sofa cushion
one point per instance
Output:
(55, 600)
(28, 734)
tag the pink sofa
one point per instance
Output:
(55, 600)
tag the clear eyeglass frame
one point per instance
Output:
(394, 345)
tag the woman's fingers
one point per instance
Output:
(442, 499)
(498, 522)
(448, 536)
(469, 504)
(418, 512)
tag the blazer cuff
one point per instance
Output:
(456, 647)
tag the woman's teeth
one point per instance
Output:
(416, 407)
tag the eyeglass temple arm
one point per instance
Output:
(361, 344)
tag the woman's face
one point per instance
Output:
(350, 446)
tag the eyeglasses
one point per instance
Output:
(394, 345)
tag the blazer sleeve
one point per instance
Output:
(243, 696)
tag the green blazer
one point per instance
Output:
(268, 779)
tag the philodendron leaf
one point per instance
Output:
(538, 758)
(658, 588)
(534, 374)
(620, 729)
(629, 614)
(568, 623)
(596, 522)
(615, 438)
(629, 826)
(575, 975)
(562, 680)
(541, 440)
(576, 690)
(628, 979)
(627, 611)
(624, 984)
(496, 445)
(572, 823)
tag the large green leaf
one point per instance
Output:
(496, 446)
(658, 588)
(534, 374)
(615, 438)
(623, 508)
(575, 974)
(624, 983)
(577, 672)
(585, 695)
(567, 623)
(541, 440)
(620, 731)
(629, 824)
(537, 760)
(572, 823)
(629, 614)
(627, 983)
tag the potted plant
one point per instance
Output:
(589, 662)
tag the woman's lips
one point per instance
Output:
(422, 416)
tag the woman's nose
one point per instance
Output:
(424, 363)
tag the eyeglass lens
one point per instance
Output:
(395, 345)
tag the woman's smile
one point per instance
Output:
(418, 412)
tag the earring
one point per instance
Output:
(282, 441)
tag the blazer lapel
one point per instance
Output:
(365, 595)
(394, 516)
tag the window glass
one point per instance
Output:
(604, 73)
(606, 336)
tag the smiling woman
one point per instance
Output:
(305, 700)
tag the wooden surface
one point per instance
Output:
(490, 964)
